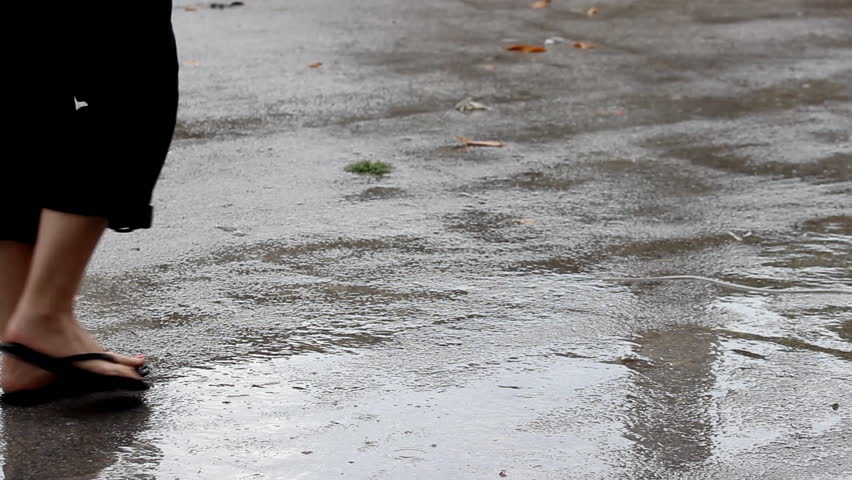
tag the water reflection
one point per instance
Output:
(70, 440)
(670, 400)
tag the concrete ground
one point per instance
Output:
(451, 321)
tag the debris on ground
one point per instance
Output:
(738, 237)
(469, 105)
(315, 65)
(748, 354)
(592, 12)
(226, 5)
(583, 45)
(480, 143)
(540, 4)
(526, 48)
(554, 40)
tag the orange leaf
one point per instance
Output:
(540, 4)
(315, 65)
(592, 12)
(583, 46)
(190, 9)
(479, 143)
(526, 48)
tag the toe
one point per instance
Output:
(129, 361)
(120, 371)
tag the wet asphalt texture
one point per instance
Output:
(449, 321)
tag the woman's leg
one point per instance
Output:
(18, 233)
(15, 258)
(44, 316)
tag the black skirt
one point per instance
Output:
(92, 104)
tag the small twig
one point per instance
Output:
(734, 286)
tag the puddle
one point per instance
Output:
(374, 424)
(834, 168)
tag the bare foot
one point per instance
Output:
(59, 337)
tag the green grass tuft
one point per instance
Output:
(366, 167)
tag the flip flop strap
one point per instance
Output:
(51, 364)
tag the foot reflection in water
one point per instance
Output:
(71, 439)
(671, 404)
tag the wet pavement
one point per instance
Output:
(450, 320)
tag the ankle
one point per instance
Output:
(44, 305)
(25, 324)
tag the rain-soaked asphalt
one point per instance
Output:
(449, 321)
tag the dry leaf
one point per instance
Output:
(526, 48)
(583, 45)
(540, 4)
(479, 143)
(592, 12)
(190, 9)
(315, 65)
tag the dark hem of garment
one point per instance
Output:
(124, 219)
(25, 230)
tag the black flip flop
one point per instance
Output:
(71, 381)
